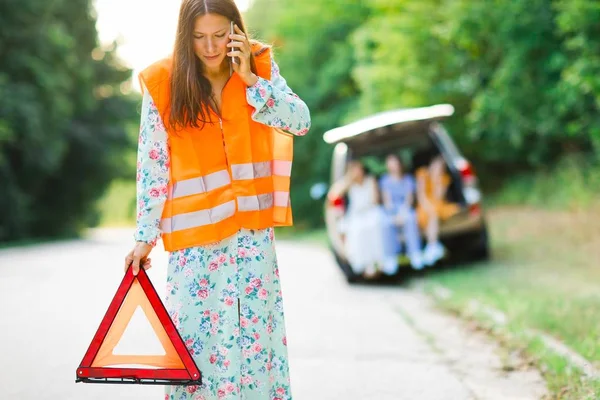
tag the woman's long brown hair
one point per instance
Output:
(190, 89)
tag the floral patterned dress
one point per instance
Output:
(224, 298)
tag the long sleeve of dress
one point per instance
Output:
(152, 172)
(276, 105)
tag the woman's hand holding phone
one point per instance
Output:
(240, 50)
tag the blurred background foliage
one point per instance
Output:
(63, 118)
(523, 75)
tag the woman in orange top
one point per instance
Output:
(212, 183)
(432, 184)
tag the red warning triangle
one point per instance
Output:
(101, 365)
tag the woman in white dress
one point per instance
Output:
(363, 221)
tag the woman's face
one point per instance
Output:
(393, 165)
(356, 171)
(211, 35)
(438, 165)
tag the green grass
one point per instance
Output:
(544, 276)
(573, 183)
(317, 236)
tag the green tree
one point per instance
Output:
(62, 117)
(312, 49)
(579, 87)
(523, 75)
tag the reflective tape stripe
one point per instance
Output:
(251, 170)
(222, 211)
(261, 169)
(254, 203)
(221, 178)
(241, 171)
(198, 218)
(216, 214)
(263, 201)
(282, 168)
(282, 199)
(201, 184)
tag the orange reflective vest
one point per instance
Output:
(233, 173)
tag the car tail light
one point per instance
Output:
(337, 202)
(470, 190)
(475, 209)
(467, 173)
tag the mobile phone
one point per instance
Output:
(233, 60)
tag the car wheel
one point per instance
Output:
(481, 248)
(350, 276)
(471, 247)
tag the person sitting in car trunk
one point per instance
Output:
(398, 193)
(363, 221)
(432, 185)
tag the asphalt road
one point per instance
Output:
(345, 342)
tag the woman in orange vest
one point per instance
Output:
(213, 178)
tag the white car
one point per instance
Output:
(406, 132)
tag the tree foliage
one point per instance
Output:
(62, 117)
(523, 75)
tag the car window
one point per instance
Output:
(445, 140)
(375, 164)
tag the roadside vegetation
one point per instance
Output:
(543, 280)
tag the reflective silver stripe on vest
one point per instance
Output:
(263, 201)
(201, 184)
(282, 168)
(282, 199)
(261, 169)
(198, 218)
(251, 170)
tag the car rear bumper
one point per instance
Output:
(462, 223)
(461, 228)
